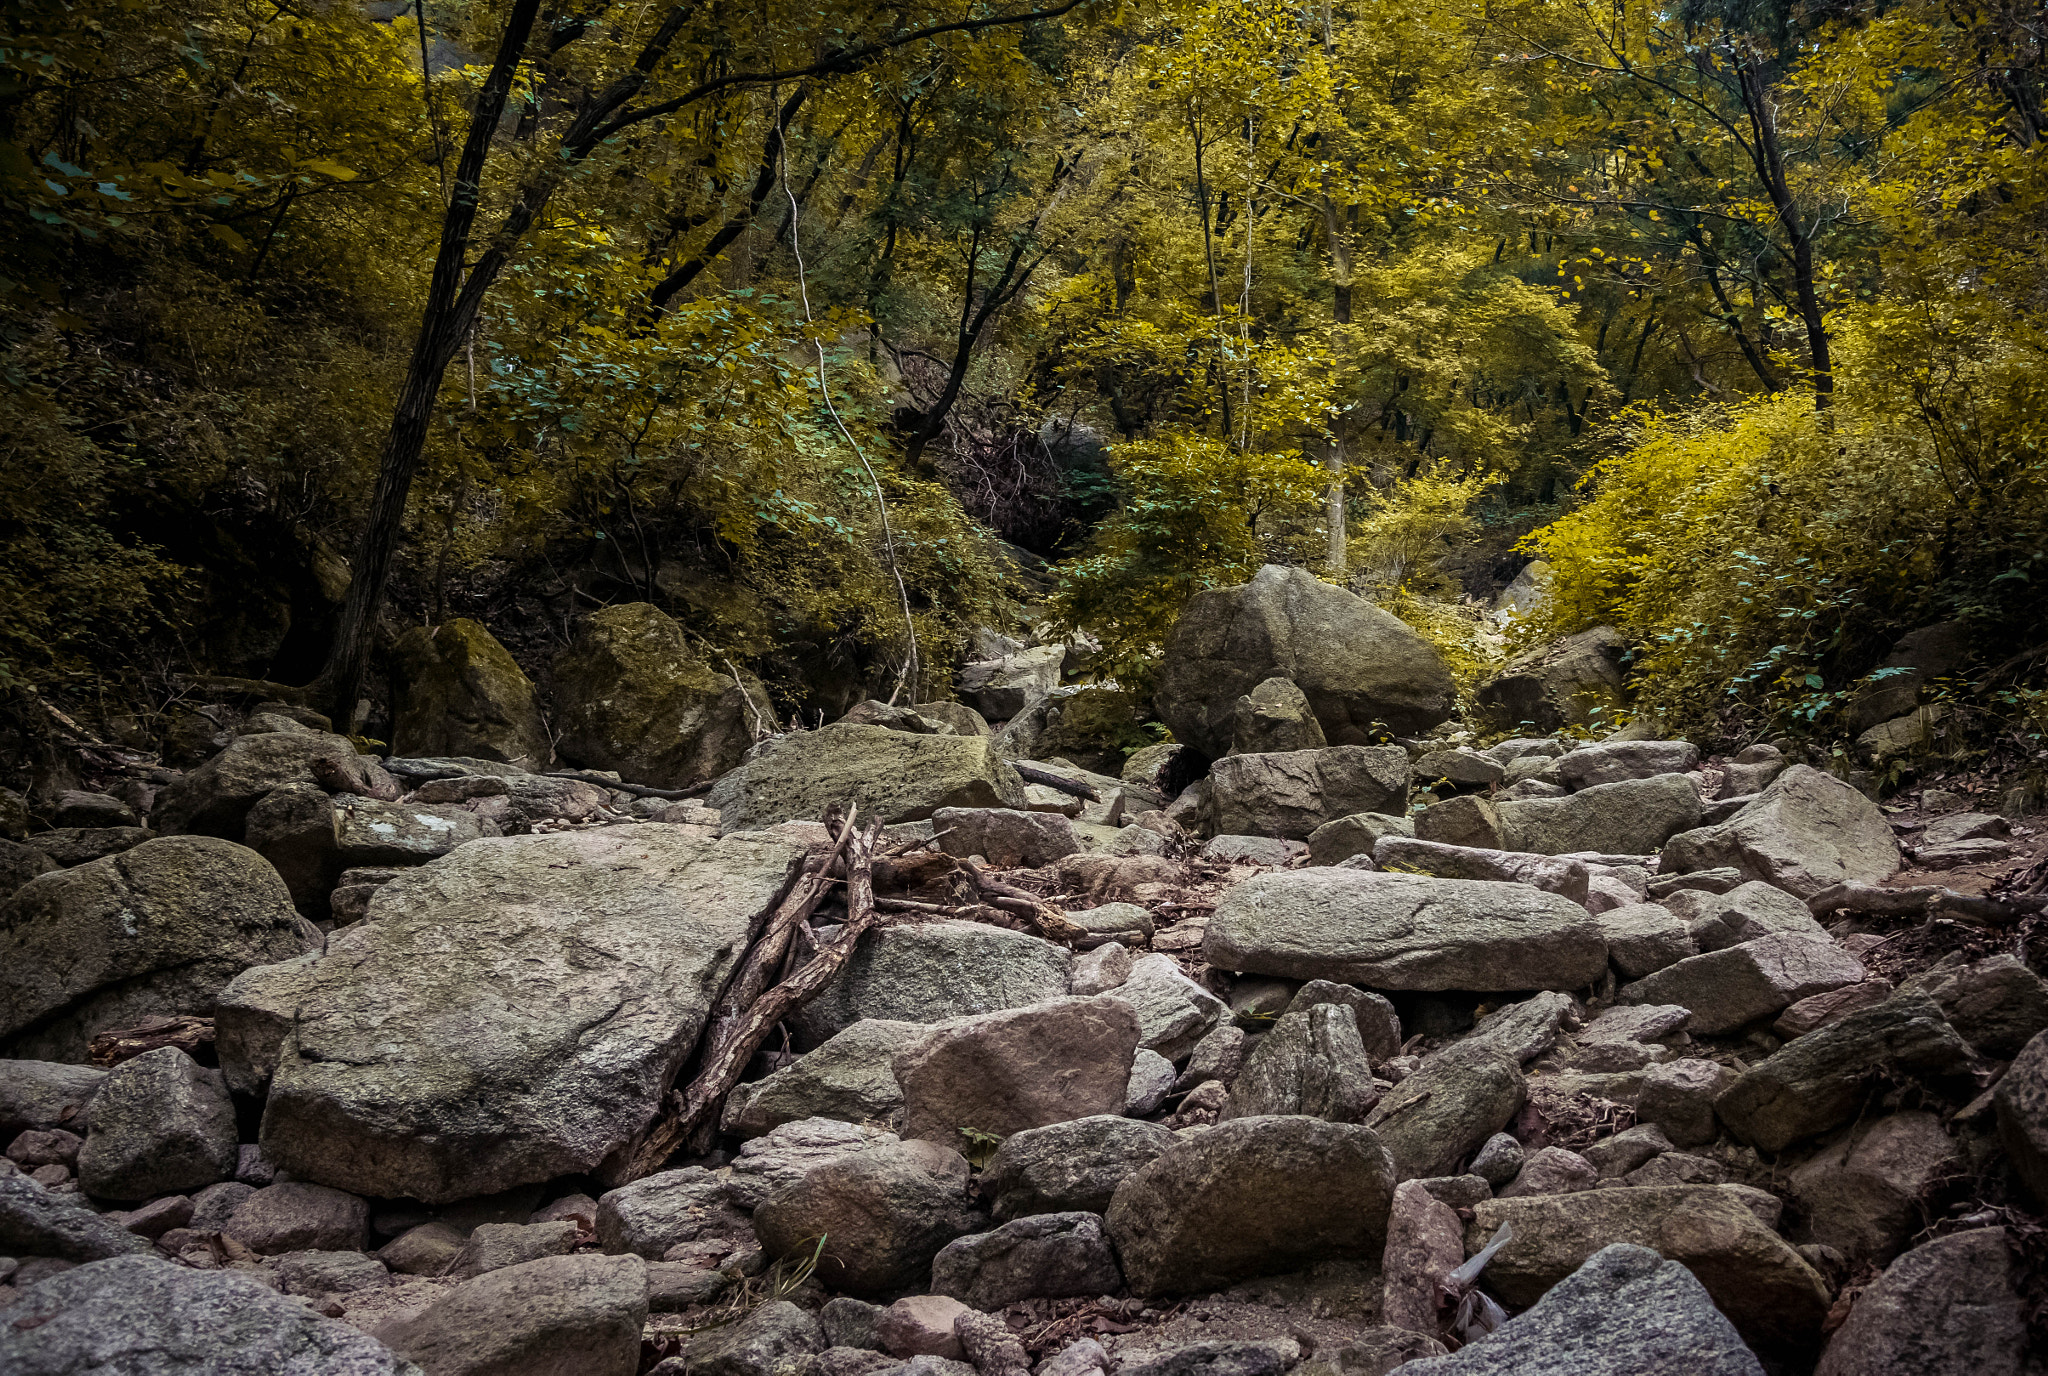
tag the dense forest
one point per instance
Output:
(843, 331)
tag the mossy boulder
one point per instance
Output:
(461, 694)
(630, 695)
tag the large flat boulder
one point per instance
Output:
(1357, 665)
(511, 1013)
(1405, 931)
(1950, 1307)
(1294, 792)
(848, 1077)
(140, 1314)
(933, 971)
(1808, 831)
(158, 929)
(1627, 817)
(1251, 1197)
(1000, 1073)
(631, 695)
(891, 774)
(460, 693)
(1755, 1277)
(557, 1314)
(1731, 988)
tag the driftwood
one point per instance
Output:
(1923, 900)
(182, 1030)
(1052, 924)
(637, 790)
(1033, 774)
(726, 1059)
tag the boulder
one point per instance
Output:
(1069, 1167)
(1498, 1161)
(956, 717)
(1773, 1297)
(1550, 873)
(1819, 1010)
(1807, 832)
(1358, 666)
(1433, 1121)
(2021, 1099)
(1311, 1062)
(1630, 817)
(1275, 716)
(1629, 1037)
(1862, 1193)
(1333, 843)
(892, 775)
(1270, 851)
(932, 971)
(292, 1216)
(1551, 1170)
(1996, 1004)
(1425, 1243)
(1291, 794)
(1612, 761)
(1575, 681)
(214, 799)
(653, 1215)
(1008, 838)
(1252, 1197)
(849, 1077)
(156, 930)
(1402, 931)
(1820, 1081)
(46, 1094)
(1950, 1307)
(1643, 938)
(1044, 1256)
(783, 1157)
(460, 693)
(1460, 768)
(1173, 1011)
(20, 863)
(1746, 912)
(1625, 1312)
(631, 696)
(293, 827)
(1001, 1073)
(68, 846)
(920, 1326)
(887, 1210)
(1379, 1026)
(1678, 1098)
(161, 1124)
(1218, 1056)
(1527, 1028)
(1732, 988)
(513, 1012)
(37, 1223)
(1005, 686)
(1916, 659)
(139, 1314)
(770, 1338)
(494, 1246)
(558, 1314)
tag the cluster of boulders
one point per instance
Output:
(1353, 1039)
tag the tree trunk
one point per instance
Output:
(1770, 161)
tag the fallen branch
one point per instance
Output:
(1923, 900)
(637, 790)
(1052, 924)
(183, 1030)
(1034, 775)
(724, 1064)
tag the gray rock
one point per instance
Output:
(1927, 653)
(1251, 1197)
(1333, 843)
(511, 1014)
(1744, 913)
(1612, 761)
(1710, 881)
(847, 1077)
(1274, 716)
(293, 827)
(1996, 1004)
(580, 1314)
(1001, 1073)
(1410, 855)
(848, 1322)
(1553, 1170)
(1862, 1193)
(1678, 1097)
(921, 1325)
(1003, 687)
(1357, 665)
(1425, 1243)
(1173, 1011)
(162, 1125)
(653, 1215)
(1627, 1150)
(1379, 1026)
(1293, 793)
(1151, 1080)
(1570, 682)
(367, 832)
(1046, 1255)
(1950, 1307)
(46, 1094)
(329, 1273)
(890, 774)
(1117, 922)
(20, 863)
(1102, 969)
(1435, 1119)
(1311, 1063)
(1069, 1167)
(292, 1216)
(2021, 1100)
(888, 1210)
(1526, 1029)
(1643, 938)
(155, 930)
(1269, 1357)
(1218, 1056)
(1467, 768)
(1631, 817)
(461, 693)
(138, 1314)
(213, 1206)
(1806, 832)
(214, 799)
(1625, 1311)
(1629, 1037)
(1819, 1081)
(1398, 931)
(1773, 1297)
(1007, 837)
(765, 1340)
(932, 971)
(423, 1251)
(494, 1246)
(1730, 989)
(1251, 850)
(1498, 1160)
(36, 1223)
(784, 1156)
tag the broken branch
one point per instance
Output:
(1033, 774)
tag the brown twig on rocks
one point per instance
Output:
(1033, 774)
(1052, 924)
(1923, 900)
(728, 1057)
(183, 1030)
(637, 790)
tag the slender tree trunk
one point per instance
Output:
(1770, 160)
(1337, 559)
